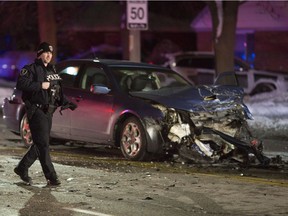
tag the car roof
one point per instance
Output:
(205, 54)
(195, 53)
(114, 63)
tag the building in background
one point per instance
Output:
(261, 37)
(98, 28)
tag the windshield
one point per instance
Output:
(142, 79)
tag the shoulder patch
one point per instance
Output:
(23, 72)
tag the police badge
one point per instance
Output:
(23, 72)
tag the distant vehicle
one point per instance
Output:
(147, 111)
(199, 69)
(11, 62)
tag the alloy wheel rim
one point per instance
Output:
(131, 139)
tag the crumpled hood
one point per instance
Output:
(203, 98)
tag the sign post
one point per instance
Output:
(137, 19)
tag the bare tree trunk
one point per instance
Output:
(47, 25)
(224, 19)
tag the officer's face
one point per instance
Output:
(46, 57)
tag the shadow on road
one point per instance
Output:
(42, 202)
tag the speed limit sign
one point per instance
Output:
(137, 15)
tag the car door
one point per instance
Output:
(90, 121)
(61, 127)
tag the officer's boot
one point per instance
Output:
(23, 173)
(53, 182)
(52, 179)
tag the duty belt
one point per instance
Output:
(46, 108)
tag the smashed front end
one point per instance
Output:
(213, 129)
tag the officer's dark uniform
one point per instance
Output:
(40, 106)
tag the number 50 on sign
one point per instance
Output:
(137, 15)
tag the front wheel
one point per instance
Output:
(133, 141)
(263, 88)
(25, 131)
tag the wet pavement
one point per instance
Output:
(107, 185)
(97, 180)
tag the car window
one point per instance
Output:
(68, 75)
(93, 75)
(139, 79)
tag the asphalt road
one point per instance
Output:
(99, 181)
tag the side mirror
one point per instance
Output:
(99, 89)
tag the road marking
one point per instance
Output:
(275, 182)
(87, 212)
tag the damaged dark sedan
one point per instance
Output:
(147, 111)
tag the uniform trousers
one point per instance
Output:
(40, 126)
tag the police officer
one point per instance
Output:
(42, 94)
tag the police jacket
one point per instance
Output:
(30, 83)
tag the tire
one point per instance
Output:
(25, 132)
(133, 141)
(263, 88)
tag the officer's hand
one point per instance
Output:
(72, 106)
(45, 85)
